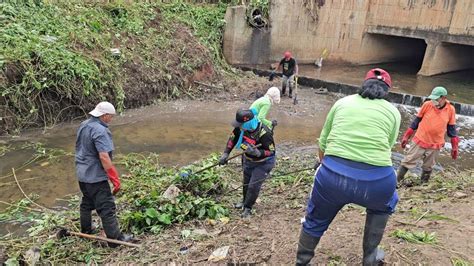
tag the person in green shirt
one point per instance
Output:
(355, 151)
(263, 105)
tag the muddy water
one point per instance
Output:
(460, 84)
(181, 132)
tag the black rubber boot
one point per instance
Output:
(373, 233)
(425, 176)
(122, 237)
(306, 246)
(86, 221)
(246, 213)
(402, 171)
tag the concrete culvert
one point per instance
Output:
(256, 18)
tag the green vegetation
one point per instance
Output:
(460, 262)
(429, 215)
(262, 5)
(57, 60)
(143, 208)
(415, 237)
(146, 207)
(207, 24)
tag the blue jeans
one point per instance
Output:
(339, 181)
(255, 174)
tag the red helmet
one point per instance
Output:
(380, 74)
(287, 55)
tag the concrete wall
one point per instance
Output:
(353, 31)
(444, 57)
(244, 44)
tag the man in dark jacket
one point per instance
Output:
(289, 70)
(256, 139)
(94, 167)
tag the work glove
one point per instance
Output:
(252, 151)
(274, 123)
(406, 137)
(223, 159)
(454, 147)
(272, 76)
(114, 178)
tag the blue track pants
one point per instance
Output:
(340, 181)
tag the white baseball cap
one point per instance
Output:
(274, 94)
(103, 108)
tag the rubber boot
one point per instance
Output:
(402, 171)
(246, 213)
(306, 246)
(86, 221)
(425, 176)
(122, 237)
(373, 233)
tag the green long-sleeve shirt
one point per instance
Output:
(263, 105)
(361, 130)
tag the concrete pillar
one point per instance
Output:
(445, 57)
(233, 34)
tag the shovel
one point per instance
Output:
(64, 233)
(295, 100)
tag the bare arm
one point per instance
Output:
(321, 155)
(278, 67)
(105, 160)
(296, 69)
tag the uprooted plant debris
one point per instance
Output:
(180, 216)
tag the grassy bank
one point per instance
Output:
(58, 60)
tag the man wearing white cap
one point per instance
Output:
(263, 104)
(94, 167)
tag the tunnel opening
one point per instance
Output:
(443, 57)
(407, 53)
(256, 18)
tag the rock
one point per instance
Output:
(200, 232)
(171, 192)
(460, 195)
(219, 254)
(184, 250)
(32, 255)
(321, 91)
(115, 52)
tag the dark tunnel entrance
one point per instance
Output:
(408, 52)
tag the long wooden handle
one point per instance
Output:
(216, 164)
(115, 241)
